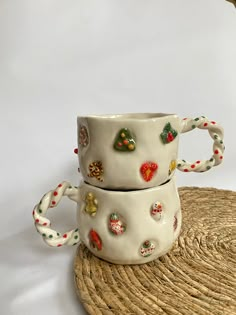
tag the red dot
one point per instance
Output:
(198, 162)
(55, 193)
(213, 122)
(205, 124)
(53, 202)
(33, 212)
(216, 151)
(59, 245)
(76, 150)
(65, 235)
(185, 170)
(37, 220)
(185, 118)
(221, 157)
(45, 224)
(60, 185)
(192, 166)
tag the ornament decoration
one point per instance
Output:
(116, 224)
(216, 133)
(147, 249)
(43, 225)
(124, 141)
(83, 136)
(172, 167)
(148, 170)
(156, 210)
(95, 240)
(91, 206)
(96, 170)
(168, 134)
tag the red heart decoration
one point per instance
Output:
(147, 170)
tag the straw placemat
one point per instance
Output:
(198, 276)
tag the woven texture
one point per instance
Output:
(198, 276)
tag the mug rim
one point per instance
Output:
(129, 191)
(129, 116)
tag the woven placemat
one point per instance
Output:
(198, 276)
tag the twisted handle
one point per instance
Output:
(43, 225)
(215, 132)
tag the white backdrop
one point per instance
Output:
(60, 59)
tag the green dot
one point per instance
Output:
(211, 160)
(58, 234)
(44, 235)
(208, 167)
(40, 211)
(184, 161)
(51, 236)
(75, 237)
(74, 244)
(193, 126)
(203, 117)
(179, 165)
(221, 141)
(196, 119)
(70, 187)
(215, 136)
(76, 230)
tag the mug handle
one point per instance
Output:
(216, 133)
(43, 225)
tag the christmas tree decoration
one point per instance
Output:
(91, 204)
(95, 240)
(96, 170)
(168, 134)
(147, 249)
(147, 170)
(116, 224)
(156, 210)
(175, 224)
(172, 167)
(83, 136)
(124, 141)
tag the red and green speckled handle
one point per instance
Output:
(43, 225)
(216, 133)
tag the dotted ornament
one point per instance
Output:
(216, 133)
(147, 249)
(156, 210)
(116, 224)
(96, 170)
(168, 134)
(43, 225)
(83, 136)
(172, 167)
(124, 141)
(148, 170)
(91, 204)
(95, 240)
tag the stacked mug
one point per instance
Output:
(128, 207)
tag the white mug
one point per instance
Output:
(137, 151)
(121, 227)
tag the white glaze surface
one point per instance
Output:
(122, 169)
(134, 208)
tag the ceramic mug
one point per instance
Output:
(122, 227)
(137, 151)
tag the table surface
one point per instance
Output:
(62, 59)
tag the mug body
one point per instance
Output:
(130, 151)
(129, 227)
